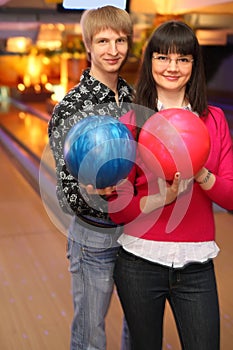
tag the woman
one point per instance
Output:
(163, 257)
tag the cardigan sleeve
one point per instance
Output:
(220, 161)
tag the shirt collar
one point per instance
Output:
(102, 92)
(160, 106)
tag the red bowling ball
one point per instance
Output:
(174, 140)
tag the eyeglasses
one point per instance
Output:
(164, 61)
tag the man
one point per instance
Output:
(92, 239)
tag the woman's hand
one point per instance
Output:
(167, 193)
(205, 179)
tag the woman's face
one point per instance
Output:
(171, 72)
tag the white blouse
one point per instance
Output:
(172, 254)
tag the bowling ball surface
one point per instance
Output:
(99, 150)
(174, 140)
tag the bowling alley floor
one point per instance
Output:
(35, 296)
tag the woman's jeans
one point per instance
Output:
(144, 287)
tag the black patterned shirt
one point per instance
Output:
(89, 97)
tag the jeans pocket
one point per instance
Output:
(74, 255)
(69, 245)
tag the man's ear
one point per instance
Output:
(88, 54)
(87, 47)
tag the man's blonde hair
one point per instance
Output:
(95, 20)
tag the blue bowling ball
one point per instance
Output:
(99, 150)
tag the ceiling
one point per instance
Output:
(21, 17)
(183, 6)
(24, 17)
(160, 6)
(163, 7)
(33, 11)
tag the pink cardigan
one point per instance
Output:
(190, 218)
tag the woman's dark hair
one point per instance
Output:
(172, 37)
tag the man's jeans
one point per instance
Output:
(144, 287)
(92, 257)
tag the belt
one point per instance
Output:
(98, 225)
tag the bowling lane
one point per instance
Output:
(29, 148)
(29, 129)
(36, 307)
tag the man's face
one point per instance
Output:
(108, 51)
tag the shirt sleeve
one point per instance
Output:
(67, 187)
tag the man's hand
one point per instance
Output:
(102, 191)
